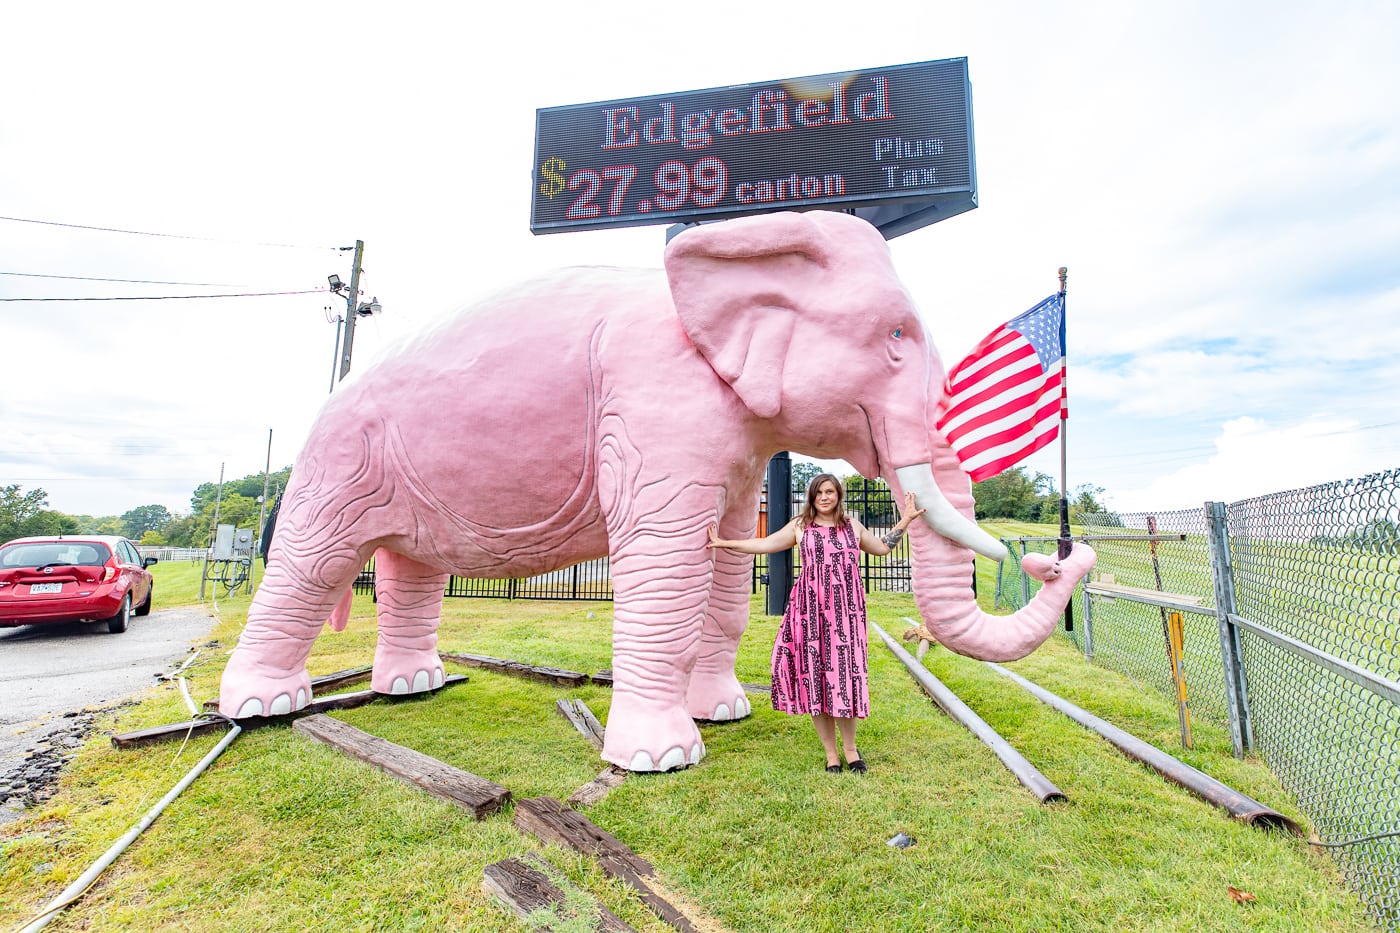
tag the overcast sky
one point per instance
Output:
(1221, 179)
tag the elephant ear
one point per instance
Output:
(738, 287)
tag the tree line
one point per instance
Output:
(23, 514)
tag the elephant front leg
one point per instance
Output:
(266, 674)
(715, 692)
(661, 581)
(409, 598)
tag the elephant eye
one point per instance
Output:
(897, 333)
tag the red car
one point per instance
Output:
(84, 578)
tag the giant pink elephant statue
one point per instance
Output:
(618, 412)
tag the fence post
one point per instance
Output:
(1222, 573)
(779, 514)
(1088, 625)
(996, 596)
(1025, 580)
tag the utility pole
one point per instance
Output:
(262, 512)
(352, 298)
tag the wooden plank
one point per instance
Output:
(1143, 595)
(596, 789)
(578, 713)
(338, 679)
(552, 675)
(604, 678)
(476, 794)
(178, 730)
(527, 890)
(551, 821)
(175, 730)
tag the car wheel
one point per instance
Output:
(117, 624)
(145, 608)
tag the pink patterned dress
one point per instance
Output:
(819, 659)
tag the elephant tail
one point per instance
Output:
(340, 615)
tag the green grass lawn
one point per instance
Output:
(283, 833)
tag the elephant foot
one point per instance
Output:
(643, 737)
(400, 671)
(250, 689)
(716, 697)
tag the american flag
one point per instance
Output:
(1006, 400)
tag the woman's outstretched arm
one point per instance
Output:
(783, 539)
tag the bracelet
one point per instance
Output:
(893, 537)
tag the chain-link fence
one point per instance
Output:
(1278, 618)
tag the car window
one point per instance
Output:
(39, 554)
(133, 555)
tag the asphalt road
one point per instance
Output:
(49, 670)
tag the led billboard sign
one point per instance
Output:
(893, 143)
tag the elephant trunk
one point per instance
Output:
(943, 572)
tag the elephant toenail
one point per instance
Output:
(673, 759)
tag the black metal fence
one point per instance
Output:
(870, 501)
(589, 580)
(1278, 618)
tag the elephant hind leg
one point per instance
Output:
(410, 608)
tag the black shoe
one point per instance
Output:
(858, 766)
(834, 769)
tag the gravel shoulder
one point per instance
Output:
(55, 680)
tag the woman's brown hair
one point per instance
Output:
(809, 511)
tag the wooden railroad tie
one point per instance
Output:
(475, 794)
(551, 675)
(604, 678)
(596, 789)
(551, 821)
(528, 886)
(578, 713)
(178, 730)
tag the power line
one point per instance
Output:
(309, 291)
(89, 278)
(173, 236)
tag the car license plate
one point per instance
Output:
(37, 588)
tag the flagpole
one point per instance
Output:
(1065, 541)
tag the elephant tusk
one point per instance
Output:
(942, 517)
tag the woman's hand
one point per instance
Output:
(910, 511)
(714, 538)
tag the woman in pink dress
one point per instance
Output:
(819, 659)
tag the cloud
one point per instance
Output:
(1253, 458)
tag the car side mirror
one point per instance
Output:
(148, 561)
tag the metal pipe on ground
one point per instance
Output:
(948, 701)
(85, 881)
(1245, 809)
